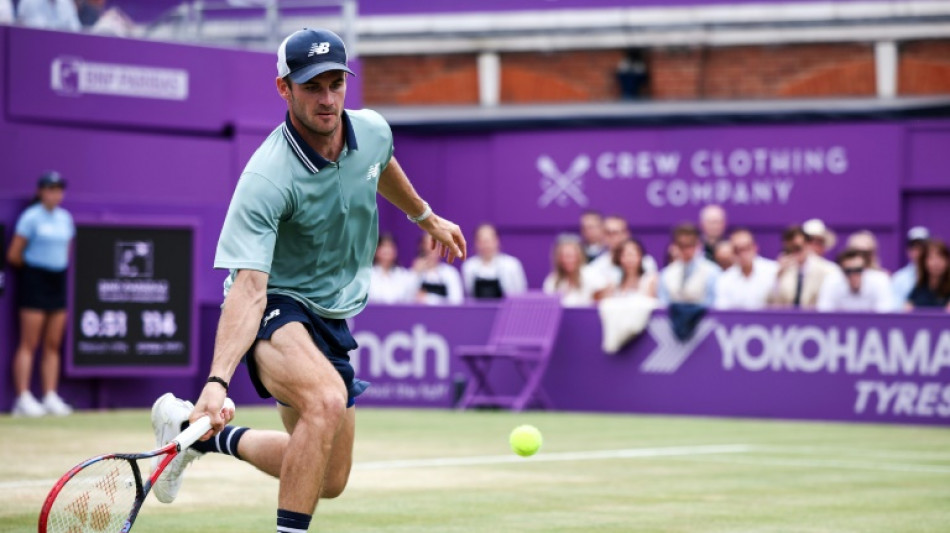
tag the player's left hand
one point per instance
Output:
(447, 237)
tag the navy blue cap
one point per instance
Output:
(308, 53)
(51, 179)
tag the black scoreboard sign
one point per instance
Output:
(132, 305)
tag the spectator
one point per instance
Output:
(904, 280)
(89, 11)
(747, 284)
(865, 242)
(40, 250)
(800, 272)
(568, 276)
(491, 273)
(821, 239)
(723, 255)
(712, 222)
(855, 287)
(49, 14)
(592, 233)
(605, 272)
(389, 283)
(634, 279)
(6, 12)
(436, 282)
(933, 287)
(692, 277)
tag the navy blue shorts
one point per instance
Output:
(42, 289)
(332, 337)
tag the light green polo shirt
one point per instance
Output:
(311, 224)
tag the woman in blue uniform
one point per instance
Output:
(40, 251)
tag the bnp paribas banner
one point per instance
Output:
(762, 174)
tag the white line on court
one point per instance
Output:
(826, 463)
(632, 453)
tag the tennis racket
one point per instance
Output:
(104, 493)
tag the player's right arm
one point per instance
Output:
(237, 329)
(246, 247)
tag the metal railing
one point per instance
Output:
(252, 23)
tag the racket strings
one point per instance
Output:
(98, 498)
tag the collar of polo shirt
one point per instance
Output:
(308, 156)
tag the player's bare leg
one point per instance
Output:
(293, 370)
(265, 450)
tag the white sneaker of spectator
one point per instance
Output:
(27, 405)
(55, 405)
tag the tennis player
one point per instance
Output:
(299, 240)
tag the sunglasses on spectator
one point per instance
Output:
(852, 271)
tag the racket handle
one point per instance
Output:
(198, 428)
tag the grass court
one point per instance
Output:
(442, 471)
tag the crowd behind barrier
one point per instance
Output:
(709, 264)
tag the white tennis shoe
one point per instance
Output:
(55, 405)
(27, 405)
(168, 414)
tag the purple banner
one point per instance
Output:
(97, 80)
(849, 367)
(762, 175)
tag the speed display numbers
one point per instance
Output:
(132, 299)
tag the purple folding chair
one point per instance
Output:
(523, 333)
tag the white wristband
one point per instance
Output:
(425, 214)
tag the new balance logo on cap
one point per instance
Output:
(308, 53)
(319, 48)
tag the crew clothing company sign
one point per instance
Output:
(132, 297)
(769, 175)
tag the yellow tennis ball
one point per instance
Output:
(525, 440)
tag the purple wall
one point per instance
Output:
(163, 130)
(870, 368)
(533, 184)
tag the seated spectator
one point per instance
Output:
(49, 14)
(634, 279)
(865, 242)
(904, 280)
(821, 239)
(389, 283)
(712, 224)
(6, 12)
(691, 278)
(723, 255)
(800, 272)
(436, 282)
(605, 272)
(592, 233)
(747, 284)
(933, 288)
(491, 273)
(855, 287)
(569, 276)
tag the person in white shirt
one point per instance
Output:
(592, 234)
(692, 277)
(436, 283)
(634, 279)
(569, 277)
(389, 283)
(747, 284)
(6, 12)
(491, 273)
(856, 286)
(49, 14)
(603, 269)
